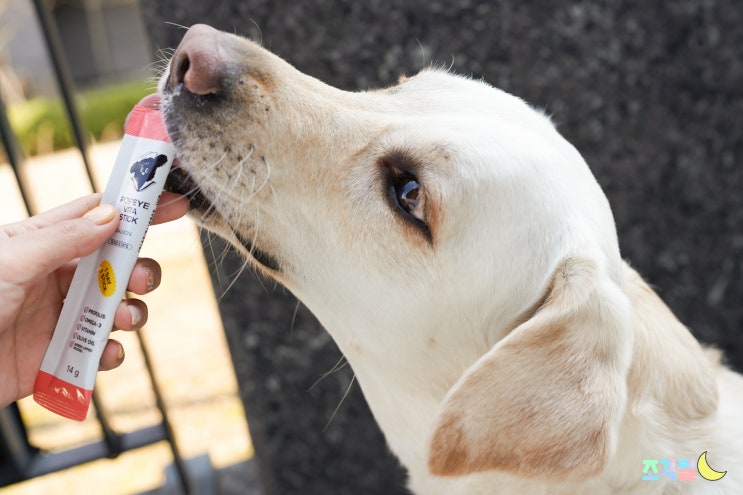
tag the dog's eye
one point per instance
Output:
(407, 191)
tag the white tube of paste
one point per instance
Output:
(65, 381)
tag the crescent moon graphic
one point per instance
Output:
(707, 472)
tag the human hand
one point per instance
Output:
(38, 257)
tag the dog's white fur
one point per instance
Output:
(510, 350)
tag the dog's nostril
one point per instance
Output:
(199, 64)
(181, 68)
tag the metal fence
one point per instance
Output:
(19, 459)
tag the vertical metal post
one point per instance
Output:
(13, 434)
(180, 466)
(110, 437)
(57, 57)
(15, 154)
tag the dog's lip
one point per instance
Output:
(180, 181)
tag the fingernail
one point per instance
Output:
(121, 352)
(150, 277)
(101, 214)
(136, 315)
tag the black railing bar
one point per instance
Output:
(110, 437)
(13, 435)
(53, 462)
(15, 154)
(64, 81)
(13, 431)
(180, 466)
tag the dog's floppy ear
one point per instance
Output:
(545, 401)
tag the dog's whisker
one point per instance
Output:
(181, 26)
(216, 262)
(219, 261)
(254, 240)
(257, 190)
(335, 412)
(423, 54)
(235, 277)
(260, 31)
(212, 209)
(342, 363)
(294, 318)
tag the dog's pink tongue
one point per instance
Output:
(150, 101)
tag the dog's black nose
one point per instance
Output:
(198, 63)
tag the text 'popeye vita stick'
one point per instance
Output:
(67, 375)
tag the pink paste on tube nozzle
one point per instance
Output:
(65, 381)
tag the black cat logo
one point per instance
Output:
(143, 170)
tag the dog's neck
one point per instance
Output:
(405, 386)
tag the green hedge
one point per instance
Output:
(41, 123)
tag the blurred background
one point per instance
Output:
(650, 92)
(107, 64)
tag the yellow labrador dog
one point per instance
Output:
(465, 261)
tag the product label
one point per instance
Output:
(106, 279)
(143, 170)
(83, 338)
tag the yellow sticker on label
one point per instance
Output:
(106, 279)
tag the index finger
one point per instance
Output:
(67, 211)
(37, 252)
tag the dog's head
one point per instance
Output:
(437, 221)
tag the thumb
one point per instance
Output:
(38, 252)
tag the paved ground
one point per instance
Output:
(185, 338)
